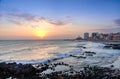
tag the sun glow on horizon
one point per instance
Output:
(41, 33)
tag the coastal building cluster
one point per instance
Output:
(100, 36)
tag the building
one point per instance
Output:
(116, 36)
(86, 36)
(95, 36)
(102, 36)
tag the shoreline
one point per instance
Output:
(100, 41)
(29, 71)
(59, 70)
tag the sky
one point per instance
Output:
(57, 19)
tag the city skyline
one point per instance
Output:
(101, 36)
(57, 19)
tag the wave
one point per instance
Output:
(94, 45)
(15, 51)
(103, 56)
(75, 52)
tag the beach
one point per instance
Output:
(59, 60)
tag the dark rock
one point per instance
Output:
(27, 71)
(90, 52)
(116, 47)
(17, 70)
(78, 56)
(113, 46)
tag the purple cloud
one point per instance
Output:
(53, 22)
(27, 17)
(16, 22)
(117, 22)
(33, 18)
(108, 30)
(56, 22)
(116, 27)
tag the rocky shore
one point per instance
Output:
(60, 70)
(113, 46)
(29, 71)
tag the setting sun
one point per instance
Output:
(41, 34)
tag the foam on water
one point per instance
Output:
(94, 45)
(56, 69)
(103, 56)
(50, 60)
(35, 52)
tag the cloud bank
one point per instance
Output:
(113, 28)
(33, 18)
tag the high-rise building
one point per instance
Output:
(86, 36)
(95, 35)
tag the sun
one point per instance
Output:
(41, 33)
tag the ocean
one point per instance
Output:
(44, 51)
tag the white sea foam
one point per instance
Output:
(94, 45)
(103, 57)
(56, 69)
(75, 52)
(52, 51)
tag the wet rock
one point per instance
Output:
(27, 71)
(17, 70)
(112, 46)
(81, 47)
(116, 47)
(80, 56)
(108, 46)
(89, 53)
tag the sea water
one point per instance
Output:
(40, 51)
(35, 50)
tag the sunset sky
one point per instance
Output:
(57, 19)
